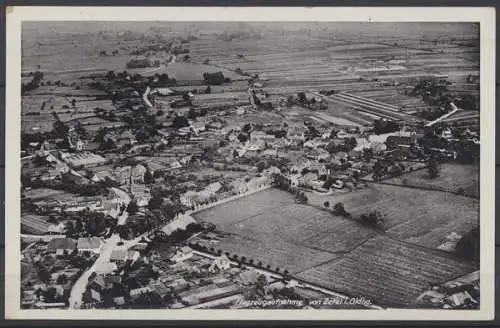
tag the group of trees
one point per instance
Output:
(385, 168)
(216, 78)
(373, 219)
(433, 169)
(87, 224)
(382, 126)
(468, 246)
(302, 100)
(86, 189)
(34, 83)
(139, 63)
(347, 146)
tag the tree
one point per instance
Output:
(62, 279)
(468, 246)
(302, 198)
(148, 177)
(242, 138)
(302, 97)
(338, 209)
(432, 169)
(180, 122)
(132, 207)
(326, 204)
(373, 219)
(155, 202)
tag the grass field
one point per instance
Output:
(451, 177)
(419, 216)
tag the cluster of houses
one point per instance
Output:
(460, 293)
(60, 246)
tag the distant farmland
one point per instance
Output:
(269, 227)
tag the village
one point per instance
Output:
(130, 204)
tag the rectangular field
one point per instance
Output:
(387, 272)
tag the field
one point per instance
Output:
(419, 216)
(270, 227)
(452, 177)
(392, 272)
(34, 224)
(376, 65)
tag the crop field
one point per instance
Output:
(270, 227)
(452, 177)
(386, 271)
(34, 224)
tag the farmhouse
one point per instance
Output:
(90, 244)
(61, 245)
(84, 159)
(221, 263)
(182, 254)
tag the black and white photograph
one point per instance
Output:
(230, 165)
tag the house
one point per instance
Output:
(460, 299)
(181, 222)
(90, 244)
(134, 293)
(61, 245)
(118, 256)
(105, 268)
(214, 126)
(141, 194)
(396, 141)
(137, 174)
(57, 228)
(269, 153)
(96, 296)
(261, 135)
(258, 182)
(221, 263)
(133, 255)
(198, 126)
(247, 278)
(164, 92)
(119, 300)
(178, 285)
(175, 165)
(159, 288)
(318, 154)
(446, 134)
(182, 254)
(213, 187)
(255, 145)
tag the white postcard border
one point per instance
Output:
(16, 15)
